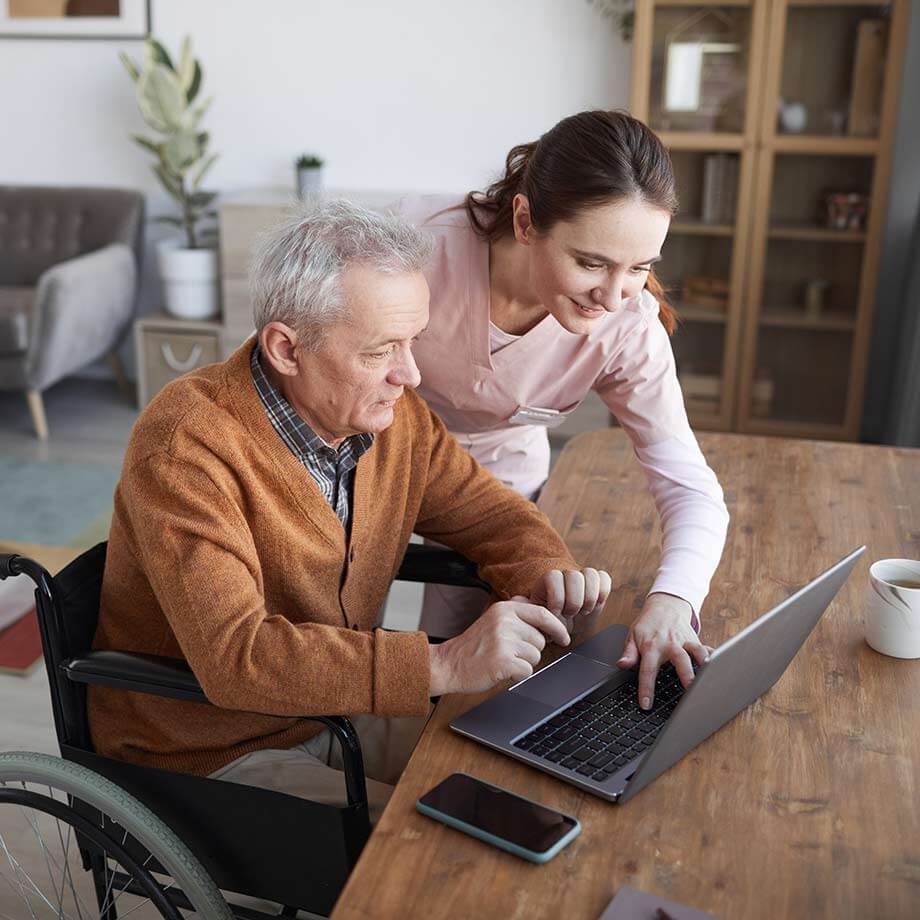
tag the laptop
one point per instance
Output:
(579, 719)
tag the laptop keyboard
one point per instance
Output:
(606, 729)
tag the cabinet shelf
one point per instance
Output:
(690, 313)
(795, 319)
(696, 227)
(815, 234)
(701, 140)
(822, 145)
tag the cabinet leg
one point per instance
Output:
(37, 411)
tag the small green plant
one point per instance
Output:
(167, 95)
(622, 12)
(309, 161)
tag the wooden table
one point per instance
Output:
(805, 805)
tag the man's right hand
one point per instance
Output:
(505, 643)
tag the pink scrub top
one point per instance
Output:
(490, 388)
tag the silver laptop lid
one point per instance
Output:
(741, 670)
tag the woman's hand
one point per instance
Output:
(661, 633)
(572, 593)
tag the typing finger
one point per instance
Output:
(574, 593)
(542, 619)
(592, 589)
(683, 665)
(699, 651)
(648, 671)
(554, 589)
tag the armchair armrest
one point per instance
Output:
(173, 678)
(439, 566)
(82, 306)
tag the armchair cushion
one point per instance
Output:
(15, 307)
(81, 307)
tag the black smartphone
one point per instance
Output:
(497, 816)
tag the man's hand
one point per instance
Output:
(662, 632)
(570, 593)
(505, 643)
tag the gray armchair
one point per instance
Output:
(69, 268)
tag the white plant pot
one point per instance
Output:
(189, 280)
(310, 181)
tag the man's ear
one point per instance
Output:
(521, 221)
(279, 346)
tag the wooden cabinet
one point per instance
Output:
(779, 117)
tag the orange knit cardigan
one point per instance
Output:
(224, 552)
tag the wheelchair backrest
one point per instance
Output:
(68, 624)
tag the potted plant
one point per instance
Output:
(167, 95)
(309, 175)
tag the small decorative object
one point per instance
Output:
(815, 297)
(701, 391)
(868, 77)
(720, 188)
(167, 95)
(705, 291)
(119, 20)
(844, 210)
(761, 394)
(703, 72)
(793, 117)
(309, 175)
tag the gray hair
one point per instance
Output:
(298, 266)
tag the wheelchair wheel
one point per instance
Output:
(74, 846)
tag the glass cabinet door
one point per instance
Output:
(699, 72)
(833, 68)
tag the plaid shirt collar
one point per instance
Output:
(332, 469)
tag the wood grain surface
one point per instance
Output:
(805, 805)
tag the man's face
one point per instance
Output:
(351, 384)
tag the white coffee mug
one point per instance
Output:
(893, 607)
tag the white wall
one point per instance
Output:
(405, 94)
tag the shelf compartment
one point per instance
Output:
(809, 373)
(699, 352)
(840, 89)
(811, 284)
(699, 68)
(800, 182)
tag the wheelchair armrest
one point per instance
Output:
(437, 565)
(173, 678)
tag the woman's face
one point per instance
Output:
(587, 267)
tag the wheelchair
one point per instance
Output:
(117, 839)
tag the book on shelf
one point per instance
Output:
(720, 188)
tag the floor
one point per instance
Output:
(90, 422)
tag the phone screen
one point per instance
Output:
(500, 813)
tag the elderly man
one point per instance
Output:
(264, 506)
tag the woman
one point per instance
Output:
(541, 290)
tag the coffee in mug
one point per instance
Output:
(893, 607)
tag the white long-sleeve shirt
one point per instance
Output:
(479, 378)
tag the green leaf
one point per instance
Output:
(160, 55)
(171, 185)
(180, 151)
(146, 143)
(202, 170)
(192, 88)
(197, 114)
(186, 63)
(161, 99)
(174, 221)
(129, 66)
(201, 199)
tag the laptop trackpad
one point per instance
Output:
(567, 678)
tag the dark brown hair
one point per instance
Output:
(585, 160)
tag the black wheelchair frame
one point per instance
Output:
(251, 841)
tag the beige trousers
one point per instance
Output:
(313, 770)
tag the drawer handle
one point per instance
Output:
(180, 367)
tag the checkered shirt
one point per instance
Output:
(333, 470)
